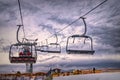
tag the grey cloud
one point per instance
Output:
(7, 13)
(60, 21)
(4, 47)
(48, 27)
(66, 21)
(109, 36)
(3, 6)
(115, 37)
(29, 8)
(49, 58)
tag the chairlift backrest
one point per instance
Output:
(54, 47)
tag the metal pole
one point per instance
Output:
(29, 67)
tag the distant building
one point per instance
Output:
(57, 70)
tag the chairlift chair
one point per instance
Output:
(79, 51)
(50, 48)
(43, 48)
(54, 47)
(27, 54)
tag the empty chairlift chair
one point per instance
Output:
(54, 47)
(43, 47)
(79, 50)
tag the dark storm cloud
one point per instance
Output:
(28, 8)
(66, 21)
(3, 6)
(107, 36)
(113, 37)
(10, 11)
(7, 13)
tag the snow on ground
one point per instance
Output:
(99, 76)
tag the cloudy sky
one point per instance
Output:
(42, 18)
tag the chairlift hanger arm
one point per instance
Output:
(19, 26)
(56, 38)
(83, 18)
(46, 42)
(56, 41)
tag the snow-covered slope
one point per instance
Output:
(100, 76)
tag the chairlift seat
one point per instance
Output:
(53, 51)
(26, 57)
(80, 51)
(53, 44)
(85, 36)
(22, 59)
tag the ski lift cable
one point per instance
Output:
(21, 17)
(80, 17)
(94, 8)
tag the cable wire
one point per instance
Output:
(21, 17)
(79, 18)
